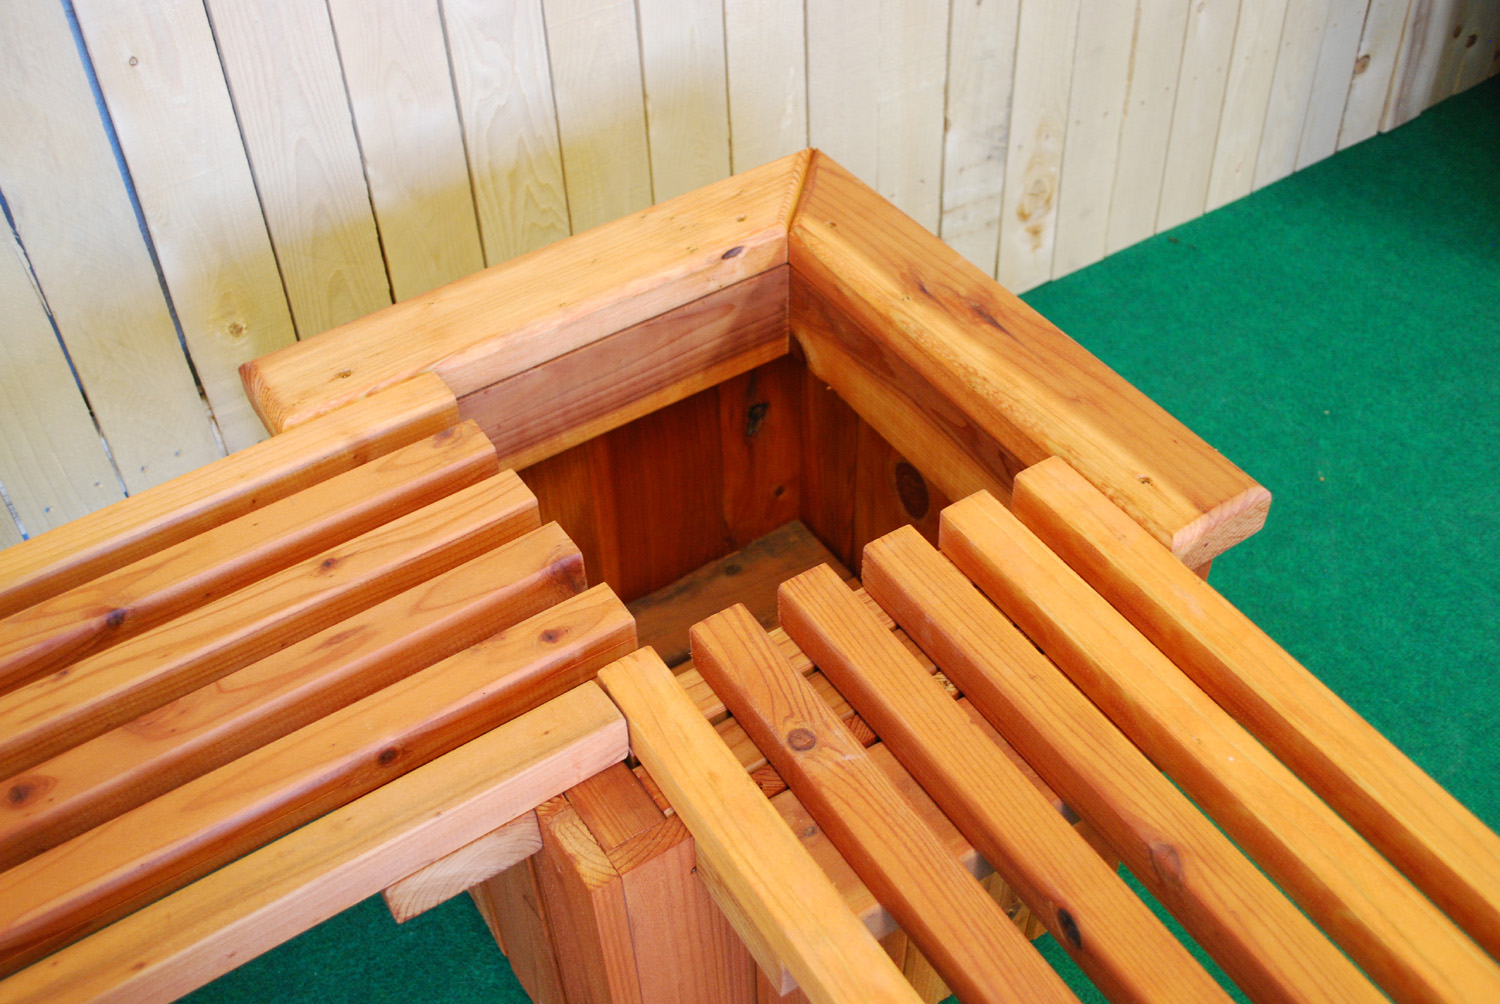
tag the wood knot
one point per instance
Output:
(1069, 928)
(388, 756)
(27, 791)
(733, 252)
(552, 636)
(801, 740)
(116, 617)
(912, 489)
(1167, 864)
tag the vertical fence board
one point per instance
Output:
(1206, 49)
(159, 72)
(1247, 95)
(1374, 69)
(1291, 90)
(843, 83)
(981, 68)
(1482, 57)
(1102, 60)
(1038, 131)
(1331, 81)
(913, 74)
(766, 50)
(1418, 63)
(283, 71)
(74, 217)
(687, 104)
(396, 71)
(601, 113)
(52, 463)
(504, 86)
(1147, 126)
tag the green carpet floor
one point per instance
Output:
(1338, 336)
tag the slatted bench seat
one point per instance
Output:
(338, 627)
(1105, 663)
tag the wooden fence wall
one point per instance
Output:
(188, 184)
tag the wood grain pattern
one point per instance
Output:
(1332, 81)
(270, 895)
(624, 273)
(1092, 914)
(1419, 60)
(515, 902)
(748, 576)
(1263, 942)
(940, 906)
(82, 885)
(121, 604)
(621, 377)
(1395, 805)
(475, 862)
(160, 75)
(1206, 50)
(1252, 68)
(395, 66)
(227, 489)
(52, 461)
(993, 377)
(830, 436)
(683, 75)
(47, 716)
(760, 438)
(1400, 939)
(776, 888)
(73, 215)
(503, 84)
(1379, 48)
(765, 49)
(572, 490)
(1290, 101)
(282, 64)
(207, 728)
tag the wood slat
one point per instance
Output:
(1120, 944)
(47, 716)
(282, 64)
(1438, 843)
(473, 863)
(207, 728)
(395, 67)
(953, 370)
(1263, 942)
(121, 604)
(503, 84)
(183, 941)
(971, 942)
(52, 462)
(159, 73)
(1398, 937)
(570, 399)
(155, 848)
(744, 844)
(73, 215)
(227, 489)
(512, 317)
(765, 48)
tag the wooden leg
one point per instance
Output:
(512, 905)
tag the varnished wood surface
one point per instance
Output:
(1435, 841)
(180, 943)
(1263, 942)
(972, 943)
(1091, 913)
(86, 882)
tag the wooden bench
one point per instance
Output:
(1131, 687)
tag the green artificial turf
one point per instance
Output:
(1337, 335)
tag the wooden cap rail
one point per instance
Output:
(577, 338)
(182, 701)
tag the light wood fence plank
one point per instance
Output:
(981, 70)
(1146, 129)
(1332, 81)
(1038, 130)
(1103, 63)
(683, 69)
(1425, 43)
(843, 70)
(1247, 93)
(503, 82)
(187, 939)
(395, 67)
(52, 462)
(913, 75)
(74, 217)
(1481, 46)
(282, 65)
(160, 74)
(765, 44)
(1206, 48)
(1291, 89)
(1374, 69)
(601, 111)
